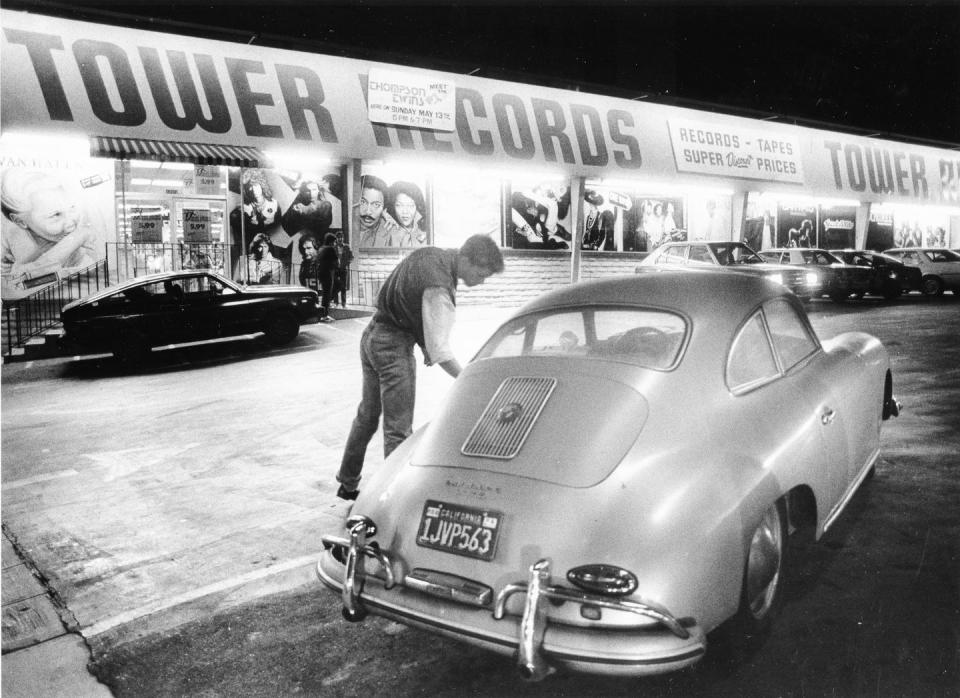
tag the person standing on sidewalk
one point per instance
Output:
(327, 265)
(416, 305)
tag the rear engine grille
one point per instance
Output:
(508, 417)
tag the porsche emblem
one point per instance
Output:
(509, 412)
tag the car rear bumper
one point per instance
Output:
(538, 644)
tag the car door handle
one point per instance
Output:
(827, 416)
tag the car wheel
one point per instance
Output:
(762, 589)
(932, 286)
(131, 347)
(281, 329)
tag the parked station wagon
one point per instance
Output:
(616, 473)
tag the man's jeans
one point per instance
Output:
(390, 387)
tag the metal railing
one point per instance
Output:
(28, 317)
(129, 260)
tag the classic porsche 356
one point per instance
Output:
(616, 473)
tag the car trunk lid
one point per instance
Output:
(539, 420)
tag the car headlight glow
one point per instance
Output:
(776, 277)
(604, 579)
(812, 278)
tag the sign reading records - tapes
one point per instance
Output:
(704, 148)
(409, 99)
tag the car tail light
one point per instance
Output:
(812, 278)
(604, 579)
(776, 277)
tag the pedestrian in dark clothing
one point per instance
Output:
(342, 284)
(318, 269)
(416, 306)
(327, 265)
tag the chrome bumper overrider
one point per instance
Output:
(354, 551)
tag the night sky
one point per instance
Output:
(890, 68)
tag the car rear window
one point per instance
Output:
(650, 338)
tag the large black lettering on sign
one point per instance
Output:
(40, 49)
(193, 115)
(299, 105)
(131, 111)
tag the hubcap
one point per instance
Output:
(763, 563)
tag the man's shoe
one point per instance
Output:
(349, 495)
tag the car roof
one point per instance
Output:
(708, 293)
(148, 279)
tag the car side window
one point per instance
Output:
(792, 340)
(699, 253)
(751, 361)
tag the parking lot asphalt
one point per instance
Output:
(152, 499)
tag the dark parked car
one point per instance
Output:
(733, 256)
(840, 280)
(890, 278)
(184, 306)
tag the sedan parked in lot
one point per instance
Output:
(890, 278)
(616, 473)
(840, 280)
(940, 267)
(734, 256)
(184, 306)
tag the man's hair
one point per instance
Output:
(304, 238)
(482, 251)
(374, 182)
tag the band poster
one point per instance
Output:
(280, 208)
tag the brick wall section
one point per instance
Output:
(528, 273)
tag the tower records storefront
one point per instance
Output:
(172, 150)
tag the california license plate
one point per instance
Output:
(460, 530)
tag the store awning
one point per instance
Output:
(176, 151)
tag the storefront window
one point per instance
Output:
(285, 207)
(539, 214)
(711, 217)
(393, 209)
(466, 203)
(631, 219)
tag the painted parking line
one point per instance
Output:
(39, 478)
(165, 604)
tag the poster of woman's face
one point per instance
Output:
(539, 215)
(56, 219)
(392, 212)
(283, 206)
